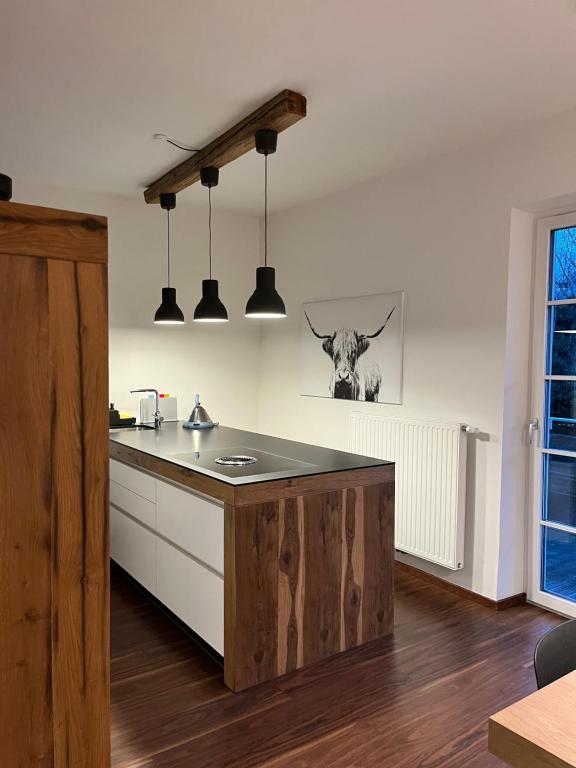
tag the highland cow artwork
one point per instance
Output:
(351, 349)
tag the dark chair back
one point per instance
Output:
(555, 654)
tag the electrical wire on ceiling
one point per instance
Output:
(168, 140)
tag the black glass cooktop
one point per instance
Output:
(265, 462)
(276, 458)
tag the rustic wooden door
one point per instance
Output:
(54, 573)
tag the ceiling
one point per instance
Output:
(85, 84)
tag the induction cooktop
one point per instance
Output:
(260, 463)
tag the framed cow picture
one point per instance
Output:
(352, 349)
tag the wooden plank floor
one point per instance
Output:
(418, 700)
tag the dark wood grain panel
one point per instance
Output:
(378, 591)
(29, 230)
(306, 578)
(323, 579)
(353, 568)
(279, 113)
(54, 693)
(290, 585)
(253, 566)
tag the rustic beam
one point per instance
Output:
(285, 109)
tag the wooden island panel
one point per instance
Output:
(306, 577)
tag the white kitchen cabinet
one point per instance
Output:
(192, 592)
(135, 505)
(193, 522)
(151, 523)
(133, 479)
(134, 548)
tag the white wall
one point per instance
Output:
(441, 231)
(219, 362)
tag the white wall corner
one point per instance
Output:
(514, 479)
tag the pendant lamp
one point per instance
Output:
(210, 309)
(168, 313)
(265, 302)
(5, 188)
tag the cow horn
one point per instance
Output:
(373, 335)
(318, 336)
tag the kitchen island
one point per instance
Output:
(276, 563)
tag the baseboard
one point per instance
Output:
(495, 605)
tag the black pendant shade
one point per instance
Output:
(265, 302)
(168, 313)
(210, 309)
(5, 188)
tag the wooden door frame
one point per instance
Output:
(535, 594)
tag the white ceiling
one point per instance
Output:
(85, 83)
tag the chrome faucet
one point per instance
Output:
(158, 418)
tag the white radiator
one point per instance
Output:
(430, 482)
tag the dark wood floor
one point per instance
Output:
(420, 699)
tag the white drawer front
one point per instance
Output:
(192, 592)
(133, 479)
(135, 505)
(193, 523)
(134, 548)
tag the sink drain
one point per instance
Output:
(236, 461)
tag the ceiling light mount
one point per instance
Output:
(209, 176)
(168, 201)
(266, 141)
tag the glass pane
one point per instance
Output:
(559, 563)
(563, 264)
(559, 489)
(562, 340)
(560, 427)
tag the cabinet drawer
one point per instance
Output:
(134, 548)
(133, 479)
(192, 592)
(131, 502)
(192, 522)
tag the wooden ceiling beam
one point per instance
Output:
(279, 113)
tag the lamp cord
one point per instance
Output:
(179, 146)
(168, 212)
(266, 210)
(210, 230)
